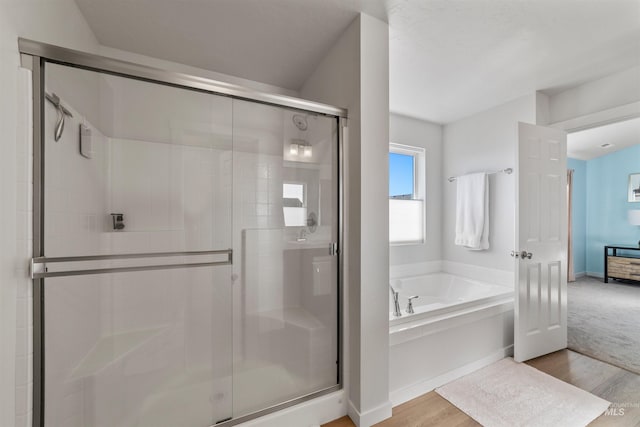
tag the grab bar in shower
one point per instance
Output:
(39, 268)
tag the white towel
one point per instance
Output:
(472, 211)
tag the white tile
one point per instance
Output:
(21, 197)
(30, 396)
(29, 368)
(22, 289)
(21, 225)
(262, 209)
(21, 313)
(21, 421)
(22, 168)
(21, 248)
(21, 342)
(21, 371)
(30, 339)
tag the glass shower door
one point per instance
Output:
(136, 243)
(285, 189)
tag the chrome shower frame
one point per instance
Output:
(34, 55)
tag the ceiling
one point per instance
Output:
(448, 58)
(587, 144)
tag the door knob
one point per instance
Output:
(525, 254)
(522, 254)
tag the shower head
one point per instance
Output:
(300, 121)
(62, 111)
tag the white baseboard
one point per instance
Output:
(370, 417)
(308, 414)
(597, 274)
(405, 394)
(580, 275)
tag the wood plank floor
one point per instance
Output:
(606, 381)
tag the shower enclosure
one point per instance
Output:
(186, 265)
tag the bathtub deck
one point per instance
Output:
(604, 380)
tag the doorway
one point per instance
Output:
(604, 304)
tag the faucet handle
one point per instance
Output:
(410, 304)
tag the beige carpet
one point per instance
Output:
(510, 394)
(602, 321)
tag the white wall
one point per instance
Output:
(484, 142)
(194, 71)
(598, 95)
(419, 133)
(354, 74)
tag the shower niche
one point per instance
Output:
(180, 286)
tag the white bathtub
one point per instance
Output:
(459, 325)
(440, 293)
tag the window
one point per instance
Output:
(294, 205)
(406, 194)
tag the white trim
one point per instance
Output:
(612, 115)
(419, 183)
(580, 275)
(411, 392)
(308, 414)
(370, 417)
(596, 274)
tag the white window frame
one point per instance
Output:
(419, 184)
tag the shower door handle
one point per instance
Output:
(39, 265)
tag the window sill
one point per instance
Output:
(416, 243)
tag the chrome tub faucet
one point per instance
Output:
(396, 302)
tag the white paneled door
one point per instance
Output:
(541, 242)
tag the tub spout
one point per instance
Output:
(396, 302)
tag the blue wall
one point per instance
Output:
(607, 180)
(579, 214)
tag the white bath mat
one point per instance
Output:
(510, 394)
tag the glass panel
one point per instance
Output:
(149, 172)
(285, 295)
(159, 156)
(401, 176)
(146, 168)
(138, 349)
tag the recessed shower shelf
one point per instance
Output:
(309, 244)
